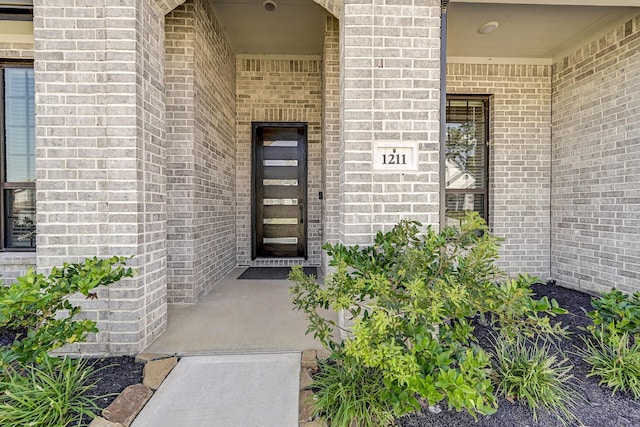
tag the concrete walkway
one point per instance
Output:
(235, 317)
(241, 349)
(245, 390)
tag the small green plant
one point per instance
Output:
(40, 305)
(52, 393)
(411, 296)
(529, 372)
(616, 312)
(613, 348)
(614, 358)
(514, 311)
(348, 394)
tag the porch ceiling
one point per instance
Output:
(535, 29)
(527, 30)
(295, 27)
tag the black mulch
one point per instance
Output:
(111, 374)
(596, 407)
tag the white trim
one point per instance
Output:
(498, 60)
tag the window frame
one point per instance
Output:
(4, 185)
(486, 99)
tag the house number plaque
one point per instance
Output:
(394, 156)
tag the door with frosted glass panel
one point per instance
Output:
(279, 190)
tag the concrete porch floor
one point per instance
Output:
(237, 316)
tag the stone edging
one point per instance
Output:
(308, 366)
(124, 409)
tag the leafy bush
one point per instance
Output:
(411, 296)
(349, 393)
(530, 372)
(613, 349)
(36, 304)
(616, 312)
(52, 393)
(35, 388)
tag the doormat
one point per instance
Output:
(273, 273)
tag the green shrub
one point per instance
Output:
(411, 296)
(531, 373)
(348, 394)
(53, 393)
(615, 359)
(37, 304)
(613, 349)
(615, 312)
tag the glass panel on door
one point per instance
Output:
(279, 190)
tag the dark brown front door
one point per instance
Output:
(279, 190)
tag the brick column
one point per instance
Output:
(390, 76)
(100, 156)
(331, 132)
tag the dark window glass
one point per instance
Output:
(17, 157)
(466, 152)
(20, 206)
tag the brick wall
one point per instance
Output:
(520, 156)
(390, 66)
(151, 186)
(331, 132)
(200, 151)
(272, 89)
(596, 163)
(15, 264)
(100, 160)
(180, 113)
(10, 50)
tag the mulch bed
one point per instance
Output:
(111, 374)
(596, 407)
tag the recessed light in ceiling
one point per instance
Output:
(269, 5)
(489, 27)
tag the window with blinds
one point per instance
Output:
(17, 157)
(467, 157)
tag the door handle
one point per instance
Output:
(301, 213)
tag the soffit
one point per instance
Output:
(526, 30)
(296, 27)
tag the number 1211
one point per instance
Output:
(394, 159)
